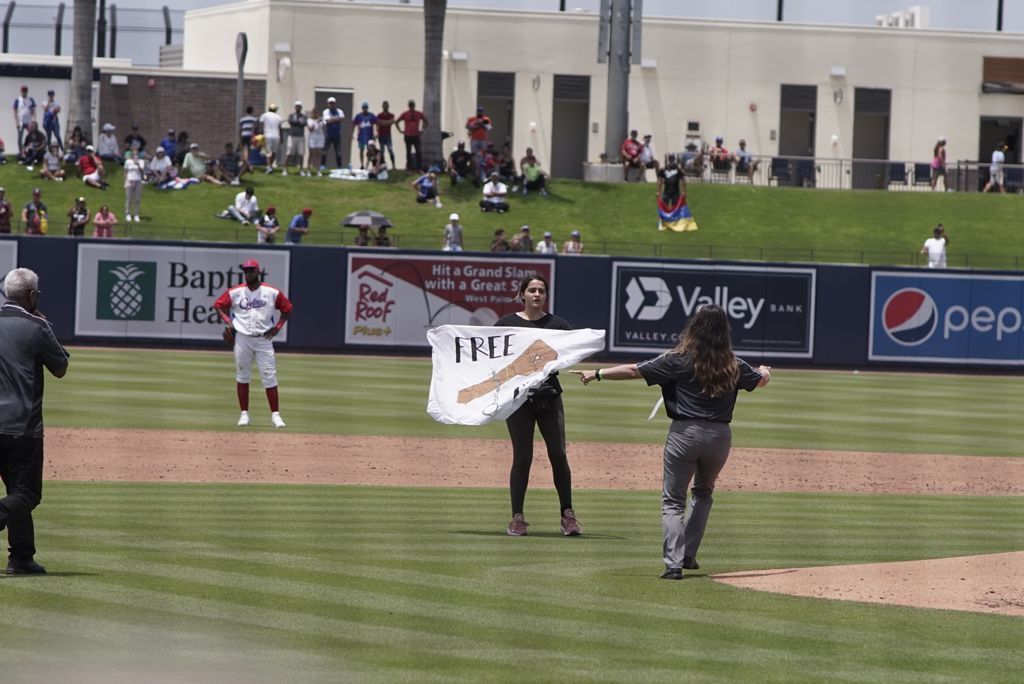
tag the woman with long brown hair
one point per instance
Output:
(699, 382)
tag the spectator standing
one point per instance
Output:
(133, 170)
(427, 189)
(92, 169)
(6, 212)
(246, 130)
(524, 238)
(160, 170)
(245, 208)
(78, 218)
(315, 124)
(333, 117)
(631, 151)
(495, 195)
(24, 114)
(547, 245)
(104, 220)
(939, 163)
(33, 147)
(452, 240)
(51, 120)
(996, 169)
(745, 162)
(136, 143)
(362, 130)
(107, 146)
(297, 122)
(268, 227)
(298, 228)
(479, 127)
(34, 214)
(270, 126)
(382, 239)
(460, 165)
(411, 123)
(230, 166)
(181, 147)
(197, 165)
(27, 345)
(499, 243)
(385, 120)
(935, 247)
(573, 245)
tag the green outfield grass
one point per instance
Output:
(902, 412)
(321, 583)
(736, 222)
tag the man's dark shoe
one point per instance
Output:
(690, 563)
(673, 574)
(25, 568)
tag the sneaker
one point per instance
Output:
(17, 567)
(138, 219)
(270, 169)
(570, 525)
(245, 223)
(437, 203)
(224, 214)
(543, 192)
(517, 528)
(243, 420)
(672, 574)
(285, 172)
(59, 179)
(690, 563)
(30, 168)
(235, 181)
(276, 420)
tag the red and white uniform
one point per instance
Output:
(254, 312)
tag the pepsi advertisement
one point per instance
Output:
(946, 318)
(770, 309)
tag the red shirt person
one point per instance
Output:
(92, 168)
(631, 151)
(411, 123)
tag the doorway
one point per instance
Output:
(871, 109)
(496, 93)
(344, 97)
(796, 120)
(570, 117)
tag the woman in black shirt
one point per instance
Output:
(699, 382)
(542, 409)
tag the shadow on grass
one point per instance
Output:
(542, 535)
(50, 574)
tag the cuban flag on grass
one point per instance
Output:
(485, 373)
(676, 217)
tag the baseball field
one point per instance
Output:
(365, 542)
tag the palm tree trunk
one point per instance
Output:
(433, 34)
(80, 109)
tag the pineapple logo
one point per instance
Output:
(126, 291)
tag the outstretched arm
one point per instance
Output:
(625, 371)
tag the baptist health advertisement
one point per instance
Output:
(395, 300)
(139, 291)
(8, 260)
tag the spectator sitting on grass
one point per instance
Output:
(53, 164)
(74, 147)
(230, 166)
(136, 143)
(377, 168)
(107, 146)
(33, 147)
(460, 165)
(427, 189)
(534, 177)
(181, 147)
(93, 172)
(495, 193)
(169, 144)
(196, 165)
(245, 209)
(160, 170)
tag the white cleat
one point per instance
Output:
(276, 420)
(243, 420)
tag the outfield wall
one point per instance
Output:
(384, 301)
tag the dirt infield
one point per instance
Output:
(989, 583)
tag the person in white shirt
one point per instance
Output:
(107, 146)
(996, 169)
(133, 170)
(245, 209)
(452, 235)
(270, 125)
(547, 245)
(935, 247)
(495, 193)
(160, 170)
(315, 124)
(24, 114)
(573, 245)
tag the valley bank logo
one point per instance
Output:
(946, 318)
(771, 309)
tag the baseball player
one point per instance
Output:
(248, 311)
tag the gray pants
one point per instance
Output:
(132, 199)
(698, 450)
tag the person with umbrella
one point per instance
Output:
(366, 220)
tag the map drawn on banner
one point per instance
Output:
(485, 373)
(396, 299)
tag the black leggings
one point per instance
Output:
(549, 416)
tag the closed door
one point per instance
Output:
(570, 121)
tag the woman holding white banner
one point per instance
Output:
(699, 382)
(543, 409)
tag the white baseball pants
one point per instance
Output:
(260, 350)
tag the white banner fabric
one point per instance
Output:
(484, 373)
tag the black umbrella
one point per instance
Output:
(366, 219)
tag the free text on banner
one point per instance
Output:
(394, 300)
(484, 373)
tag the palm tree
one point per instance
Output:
(80, 110)
(433, 34)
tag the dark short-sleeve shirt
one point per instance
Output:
(684, 398)
(27, 344)
(549, 321)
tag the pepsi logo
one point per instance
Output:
(909, 316)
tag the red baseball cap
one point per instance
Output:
(251, 263)
(307, 212)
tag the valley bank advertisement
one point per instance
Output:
(946, 318)
(770, 309)
(163, 292)
(8, 259)
(395, 300)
